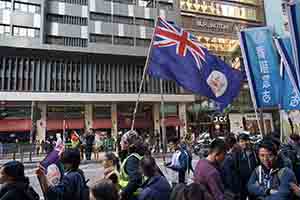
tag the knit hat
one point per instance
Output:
(14, 169)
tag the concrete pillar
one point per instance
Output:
(182, 117)
(41, 123)
(114, 120)
(88, 115)
(156, 117)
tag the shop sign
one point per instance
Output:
(252, 116)
(220, 119)
(219, 26)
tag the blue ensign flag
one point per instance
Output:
(289, 91)
(262, 66)
(294, 27)
(176, 55)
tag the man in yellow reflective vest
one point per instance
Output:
(130, 175)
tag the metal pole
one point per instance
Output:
(247, 69)
(281, 125)
(143, 79)
(163, 127)
(262, 122)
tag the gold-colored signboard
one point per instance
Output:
(219, 8)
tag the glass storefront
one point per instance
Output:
(202, 117)
(218, 8)
(143, 119)
(64, 117)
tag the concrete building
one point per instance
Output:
(81, 63)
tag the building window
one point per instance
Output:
(26, 32)
(26, 7)
(123, 1)
(65, 19)
(143, 42)
(66, 41)
(5, 4)
(4, 29)
(144, 22)
(80, 2)
(165, 5)
(123, 41)
(122, 19)
(143, 3)
(55, 40)
(102, 112)
(101, 38)
(100, 17)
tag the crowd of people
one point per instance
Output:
(233, 170)
(90, 144)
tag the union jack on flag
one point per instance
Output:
(167, 35)
(176, 55)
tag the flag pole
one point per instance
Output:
(163, 126)
(247, 69)
(143, 79)
(284, 65)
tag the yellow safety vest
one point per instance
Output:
(124, 179)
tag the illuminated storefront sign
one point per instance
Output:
(219, 9)
(218, 43)
(213, 26)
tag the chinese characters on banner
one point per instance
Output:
(265, 73)
(262, 67)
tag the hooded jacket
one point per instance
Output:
(271, 184)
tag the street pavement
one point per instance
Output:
(94, 171)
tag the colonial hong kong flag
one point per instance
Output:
(176, 55)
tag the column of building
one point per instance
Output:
(183, 119)
(41, 126)
(114, 120)
(88, 116)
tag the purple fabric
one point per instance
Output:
(53, 156)
(207, 174)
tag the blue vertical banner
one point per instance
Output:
(290, 99)
(262, 66)
(294, 26)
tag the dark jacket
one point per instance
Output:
(245, 165)
(70, 187)
(277, 181)
(135, 177)
(207, 174)
(229, 174)
(18, 191)
(156, 188)
(90, 140)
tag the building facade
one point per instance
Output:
(216, 25)
(80, 63)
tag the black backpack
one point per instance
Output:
(84, 188)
